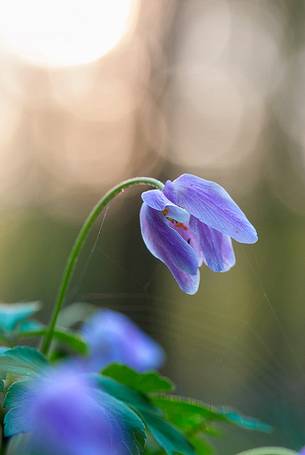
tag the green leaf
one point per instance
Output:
(18, 444)
(124, 393)
(201, 446)
(128, 419)
(14, 392)
(75, 341)
(13, 313)
(27, 326)
(14, 420)
(22, 361)
(188, 414)
(166, 435)
(247, 423)
(149, 382)
(268, 451)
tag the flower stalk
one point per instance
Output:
(78, 245)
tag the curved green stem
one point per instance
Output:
(78, 245)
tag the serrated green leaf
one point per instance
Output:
(268, 451)
(149, 382)
(22, 361)
(187, 414)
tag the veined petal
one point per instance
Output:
(158, 201)
(212, 205)
(217, 249)
(166, 244)
(188, 283)
(192, 236)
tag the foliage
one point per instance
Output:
(173, 425)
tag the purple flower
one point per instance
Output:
(65, 414)
(112, 337)
(191, 222)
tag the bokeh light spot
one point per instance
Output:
(63, 32)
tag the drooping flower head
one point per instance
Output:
(113, 337)
(65, 415)
(191, 222)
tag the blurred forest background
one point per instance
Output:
(211, 87)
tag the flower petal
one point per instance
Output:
(188, 283)
(156, 200)
(192, 236)
(217, 250)
(113, 337)
(166, 244)
(65, 414)
(212, 205)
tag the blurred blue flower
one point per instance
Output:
(113, 337)
(65, 415)
(191, 222)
